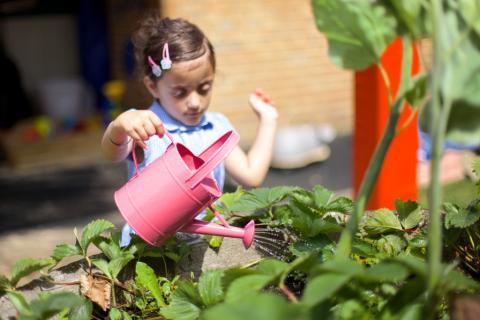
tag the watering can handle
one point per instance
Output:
(135, 162)
(214, 157)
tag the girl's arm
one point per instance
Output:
(132, 125)
(250, 169)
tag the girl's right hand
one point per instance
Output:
(139, 125)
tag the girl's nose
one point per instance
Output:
(193, 101)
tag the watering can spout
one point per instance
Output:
(203, 227)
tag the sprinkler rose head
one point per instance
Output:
(249, 234)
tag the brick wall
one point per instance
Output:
(273, 45)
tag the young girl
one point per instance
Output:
(178, 63)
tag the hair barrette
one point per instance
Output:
(165, 63)
(155, 67)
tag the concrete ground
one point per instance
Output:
(40, 208)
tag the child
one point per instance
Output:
(178, 63)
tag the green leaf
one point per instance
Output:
(346, 267)
(459, 51)
(470, 10)
(27, 266)
(456, 217)
(117, 264)
(409, 213)
(256, 306)
(357, 31)
(82, 311)
(109, 246)
(271, 267)
(65, 250)
(260, 198)
(50, 304)
(19, 302)
(417, 92)
(464, 124)
(381, 221)
(115, 314)
(103, 266)
(4, 284)
(147, 278)
(210, 287)
(215, 241)
(385, 272)
(323, 287)
(321, 196)
(410, 17)
(341, 204)
(183, 305)
(305, 246)
(391, 244)
(92, 230)
(407, 296)
(245, 286)
(309, 224)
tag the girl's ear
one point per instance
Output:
(150, 85)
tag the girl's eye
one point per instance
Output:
(204, 89)
(179, 93)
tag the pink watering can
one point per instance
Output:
(167, 195)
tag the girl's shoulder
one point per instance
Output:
(217, 118)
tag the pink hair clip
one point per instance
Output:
(165, 63)
(155, 67)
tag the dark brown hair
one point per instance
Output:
(185, 41)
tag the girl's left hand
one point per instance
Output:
(263, 106)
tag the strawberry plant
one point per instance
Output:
(328, 258)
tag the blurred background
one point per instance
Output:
(67, 69)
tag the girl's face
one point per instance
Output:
(185, 90)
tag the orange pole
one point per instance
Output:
(398, 176)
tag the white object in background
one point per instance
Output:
(299, 146)
(66, 98)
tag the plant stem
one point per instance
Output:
(438, 121)
(345, 245)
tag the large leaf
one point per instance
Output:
(260, 198)
(464, 123)
(109, 246)
(82, 311)
(409, 212)
(272, 267)
(66, 250)
(385, 272)
(4, 284)
(323, 287)
(210, 287)
(391, 244)
(470, 11)
(460, 60)
(381, 221)
(19, 302)
(146, 277)
(246, 285)
(410, 16)
(456, 217)
(92, 230)
(48, 305)
(25, 267)
(254, 306)
(117, 264)
(103, 266)
(185, 303)
(358, 31)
